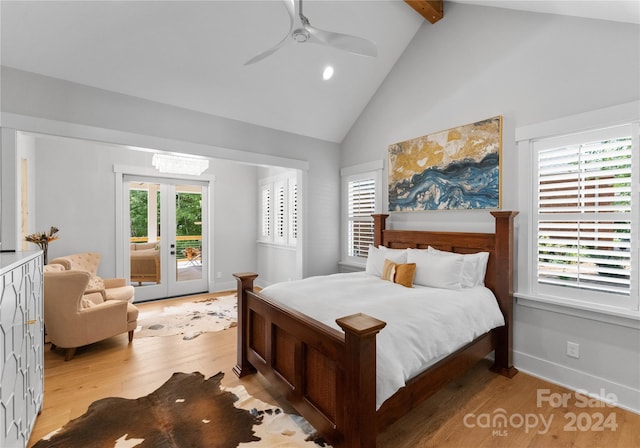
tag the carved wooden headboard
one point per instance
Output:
(500, 245)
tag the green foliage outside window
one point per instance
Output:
(138, 209)
(188, 213)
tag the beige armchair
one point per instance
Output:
(145, 262)
(73, 319)
(112, 288)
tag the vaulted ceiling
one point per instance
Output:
(191, 54)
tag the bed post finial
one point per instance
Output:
(504, 292)
(379, 225)
(245, 283)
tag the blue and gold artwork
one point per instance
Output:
(449, 170)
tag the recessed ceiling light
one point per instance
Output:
(327, 74)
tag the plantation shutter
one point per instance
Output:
(266, 212)
(360, 205)
(293, 211)
(584, 211)
(280, 213)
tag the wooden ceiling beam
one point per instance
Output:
(432, 10)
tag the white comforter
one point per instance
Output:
(423, 324)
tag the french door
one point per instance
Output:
(166, 238)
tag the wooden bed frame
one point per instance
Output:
(330, 376)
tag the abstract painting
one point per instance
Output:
(449, 170)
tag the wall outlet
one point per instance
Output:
(219, 275)
(573, 349)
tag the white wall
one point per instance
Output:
(479, 62)
(75, 191)
(30, 95)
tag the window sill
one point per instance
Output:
(616, 316)
(351, 266)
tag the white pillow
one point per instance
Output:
(436, 270)
(473, 269)
(377, 255)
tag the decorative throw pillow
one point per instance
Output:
(91, 300)
(436, 270)
(377, 255)
(86, 303)
(388, 270)
(405, 274)
(401, 274)
(96, 284)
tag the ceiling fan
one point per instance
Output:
(301, 31)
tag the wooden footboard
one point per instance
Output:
(329, 376)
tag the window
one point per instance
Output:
(265, 225)
(293, 211)
(361, 203)
(279, 211)
(361, 190)
(585, 212)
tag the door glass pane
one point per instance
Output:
(144, 236)
(188, 232)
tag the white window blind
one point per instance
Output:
(361, 202)
(585, 211)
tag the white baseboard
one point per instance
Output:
(231, 285)
(628, 398)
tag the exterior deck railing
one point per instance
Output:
(182, 242)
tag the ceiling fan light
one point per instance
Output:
(327, 74)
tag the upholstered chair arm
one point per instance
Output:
(117, 289)
(62, 261)
(114, 282)
(54, 267)
(102, 321)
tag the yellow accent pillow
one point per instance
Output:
(401, 274)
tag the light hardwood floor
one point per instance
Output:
(460, 415)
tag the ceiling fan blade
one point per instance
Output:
(268, 52)
(291, 9)
(345, 42)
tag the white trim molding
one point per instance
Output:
(627, 397)
(600, 118)
(140, 141)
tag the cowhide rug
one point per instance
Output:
(186, 411)
(190, 319)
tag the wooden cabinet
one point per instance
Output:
(21, 346)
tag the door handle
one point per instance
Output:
(173, 252)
